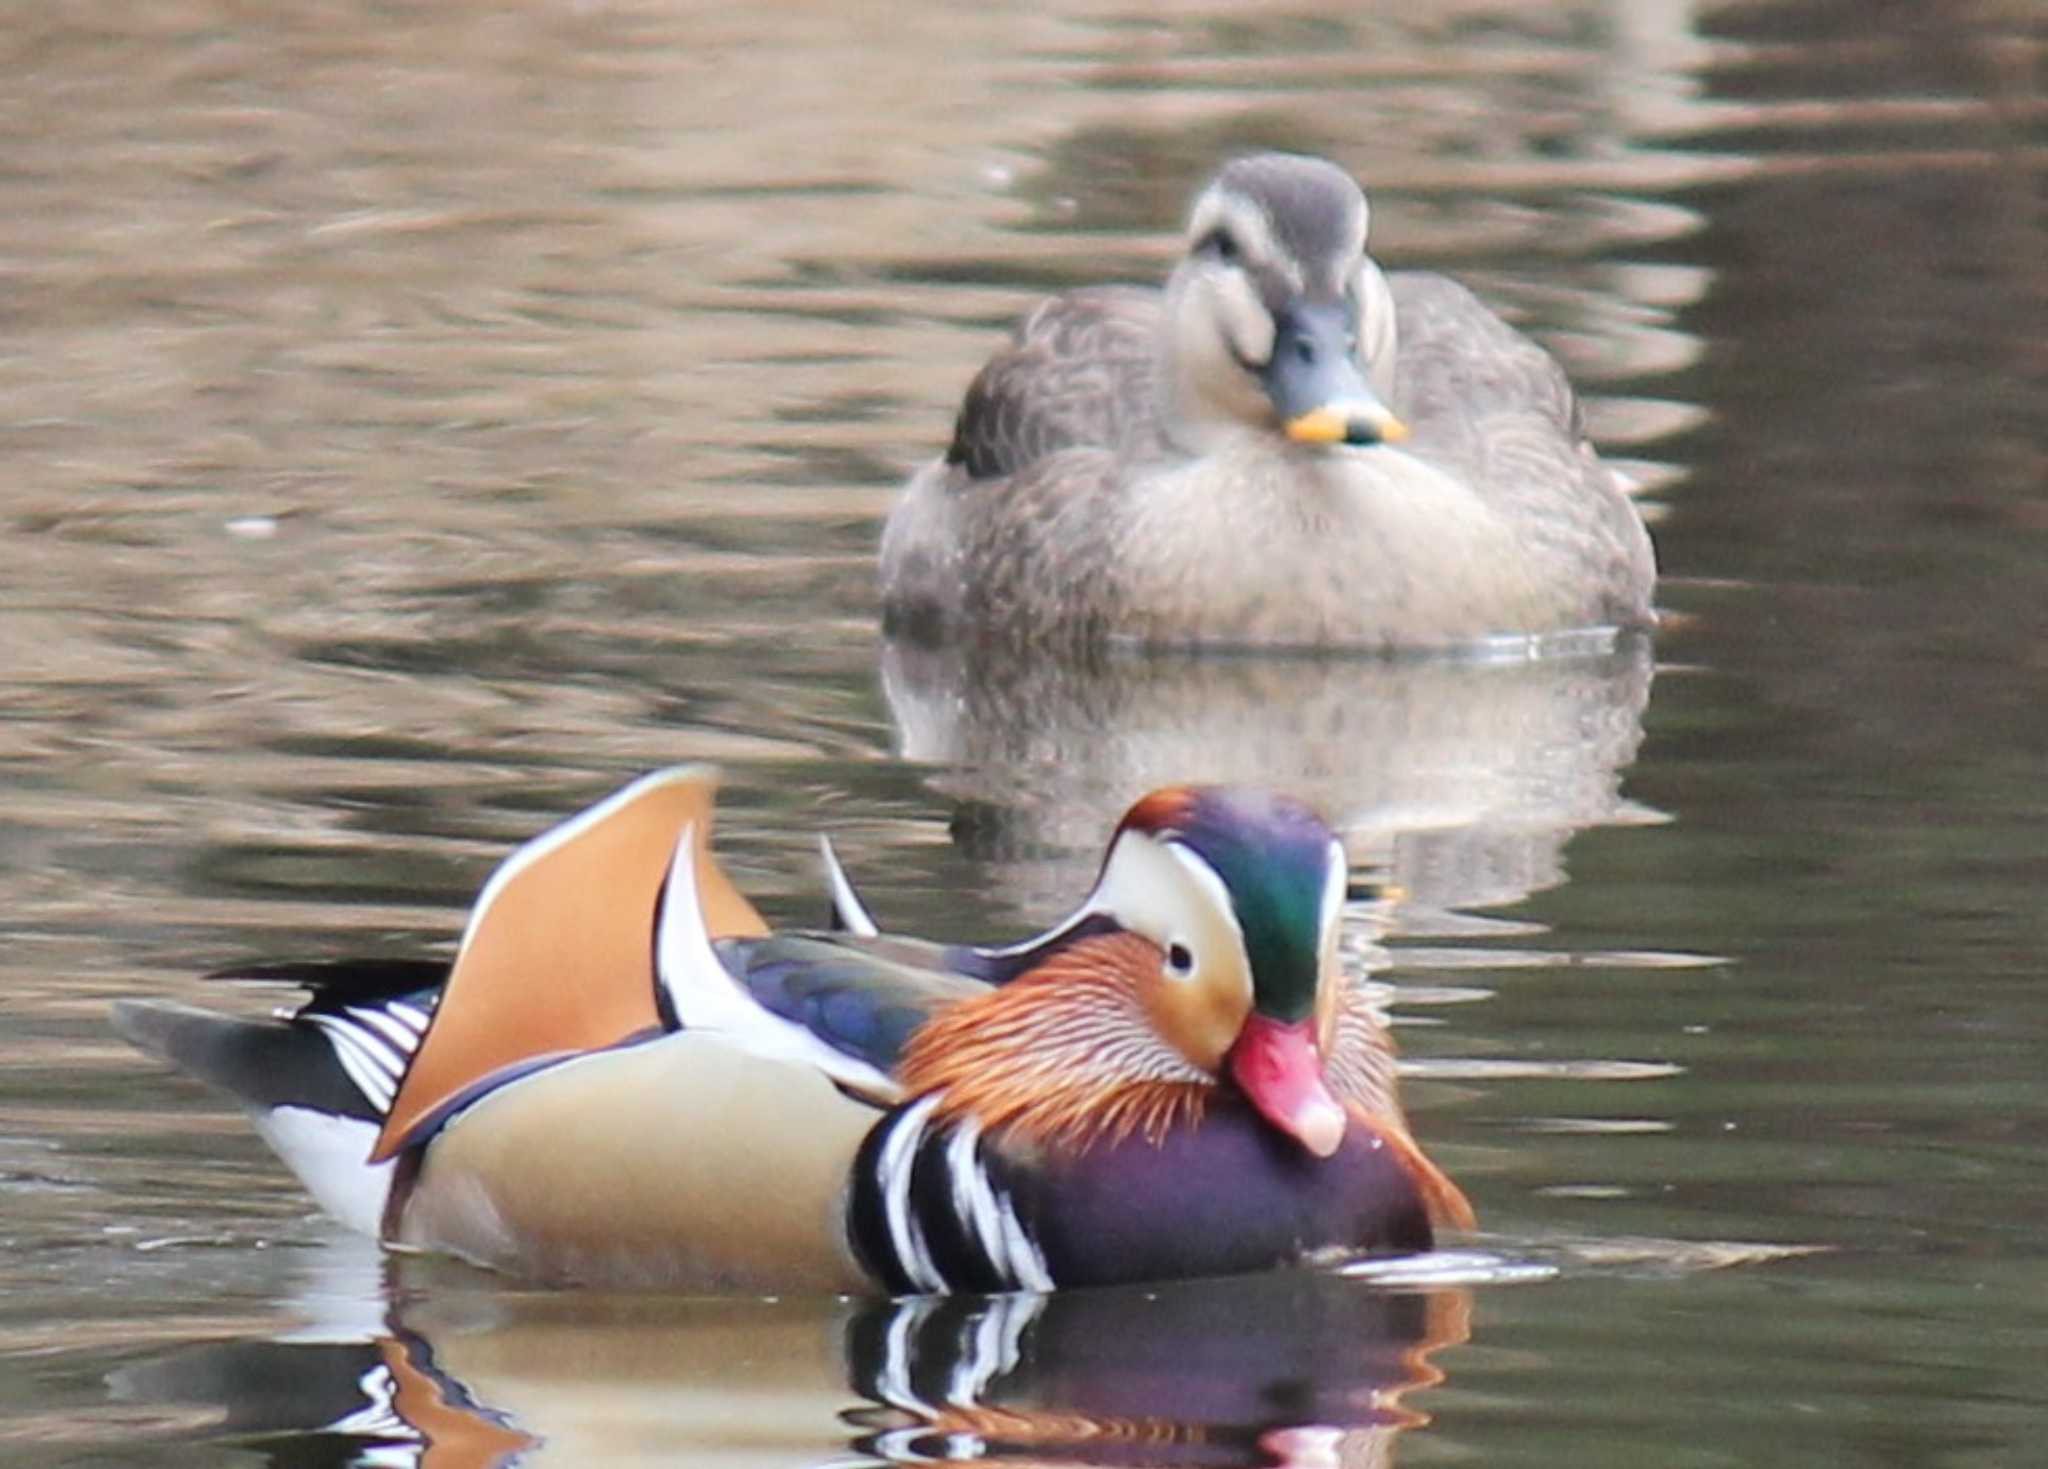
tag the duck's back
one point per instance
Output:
(1042, 433)
(1077, 374)
(1062, 513)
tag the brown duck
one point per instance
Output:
(1284, 448)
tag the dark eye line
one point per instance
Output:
(1220, 243)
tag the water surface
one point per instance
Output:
(416, 421)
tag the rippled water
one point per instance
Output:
(417, 420)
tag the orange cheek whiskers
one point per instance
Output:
(1063, 1056)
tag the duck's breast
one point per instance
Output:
(1360, 547)
(1220, 1196)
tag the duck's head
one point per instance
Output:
(1205, 957)
(1276, 319)
(1247, 915)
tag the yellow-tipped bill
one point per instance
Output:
(1315, 382)
(1347, 423)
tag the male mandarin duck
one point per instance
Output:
(627, 1080)
(1284, 448)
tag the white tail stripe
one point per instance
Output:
(377, 1084)
(375, 1049)
(403, 1039)
(411, 1016)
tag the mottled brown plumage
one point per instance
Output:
(1121, 470)
(1077, 374)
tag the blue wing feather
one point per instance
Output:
(859, 997)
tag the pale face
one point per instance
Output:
(1239, 270)
(1198, 997)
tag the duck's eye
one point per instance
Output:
(1180, 960)
(1219, 244)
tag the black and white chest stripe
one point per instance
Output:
(928, 1215)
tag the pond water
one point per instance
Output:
(415, 421)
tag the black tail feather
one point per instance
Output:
(349, 981)
(263, 1063)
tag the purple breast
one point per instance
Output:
(1228, 1195)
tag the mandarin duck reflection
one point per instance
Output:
(1284, 1367)
(624, 1079)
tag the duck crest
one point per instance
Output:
(1064, 1056)
(558, 958)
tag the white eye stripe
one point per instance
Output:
(1212, 884)
(1165, 891)
(1334, 888)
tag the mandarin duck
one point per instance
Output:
(1286, 447)
(624, 1079)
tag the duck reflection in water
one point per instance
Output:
(1457, 780)
(1291, 1367)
